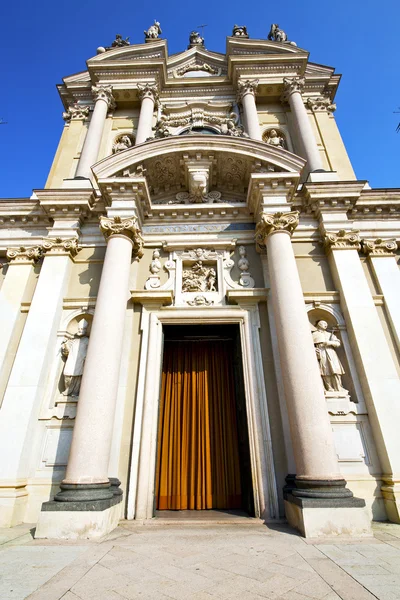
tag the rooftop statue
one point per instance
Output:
(240, 31)
(195, 39)
(276, 34)
(153, 31)
(119, 42)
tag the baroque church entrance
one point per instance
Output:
(203, 458)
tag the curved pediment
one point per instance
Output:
(225, 163)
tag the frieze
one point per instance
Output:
(200, 228)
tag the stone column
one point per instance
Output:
(21, 261)
(103, 102)
(148, 95)
(86, 479)
(292, 93)
(375, 364)
(383, 260)
(318, 481)
(27, 381)
(247, 96)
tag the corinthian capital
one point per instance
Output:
(292, 85)
(58, 246)
(246, 87)
(343, 240)
(278, 222)
(320, 103)
(104, 92)
(76, 113)
(379, 247)
(24, 255)
(148, 90)
(126, 227)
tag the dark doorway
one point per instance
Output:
(203, 457)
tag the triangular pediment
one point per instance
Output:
(197, 62)
(134, 53)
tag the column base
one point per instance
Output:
(316, 518)
(391, 496)
(62, 524)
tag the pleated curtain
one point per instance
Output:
(197, 454)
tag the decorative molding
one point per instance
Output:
(200, 300)
(245, 279)
(76, 112)
(246, 87)
(205, 67)
(320, 103)
(148, 90)
(125, 227)
(188, 198)
(58, 246)
(25, 255)
(278, 222)
(104, 92)
(343, 240)
(379, 247)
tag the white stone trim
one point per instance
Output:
(142, 473)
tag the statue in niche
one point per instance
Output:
(123, 142)
(330, 366)
(119, 42)
(199, 278)
(75, 350)
(240, 31)
(153, 31)
(274, 139)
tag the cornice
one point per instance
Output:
(336, 196)
(66, 203)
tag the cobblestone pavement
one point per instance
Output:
(198, 561)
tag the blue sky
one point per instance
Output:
(43, 41)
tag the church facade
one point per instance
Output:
(200, 309)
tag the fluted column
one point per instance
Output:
(148, 95)
(247, 97)
(292, 93)
(87, 472)
(316, 463)
(103, 101)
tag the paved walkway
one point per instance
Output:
(196, 561)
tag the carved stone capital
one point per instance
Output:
(104, 92)
(148, 90)
(76, 113)
(379, 247)
(320, 103)
(246, 87)
(292, 85)
(126, 227)
(24, 255)
(343, 240)
(285, 222)
(58, 246)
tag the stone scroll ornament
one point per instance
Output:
(125, 227)
(246, 279)
(278, 222)
(25, 254)
(153, 282)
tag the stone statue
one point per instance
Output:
(155, 265)
(119, 42)
(153, 31)
(276, 34)
(329, 364)
(122, 142)
(75, 350)
(195, 39)
(240, 31)
(162, 130)
(274, 139)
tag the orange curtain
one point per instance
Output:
(198, 456)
